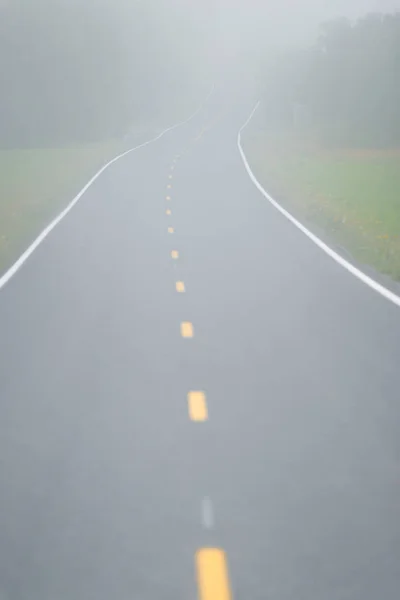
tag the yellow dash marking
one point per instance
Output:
(170, 230)
(175, 254)
(186, 329)
(169, 186)
(168, 198)
(197, 406)
(168, 212)
(212, 574)
(180, 286)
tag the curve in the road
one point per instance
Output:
(22, 259)
(383, 291)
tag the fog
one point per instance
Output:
(90, 69)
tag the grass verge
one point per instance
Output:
(353, 195)
(36, 184)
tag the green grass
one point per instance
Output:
(35, 185)
(353, 195)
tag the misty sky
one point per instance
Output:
(227, 27)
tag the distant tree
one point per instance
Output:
(348, 82)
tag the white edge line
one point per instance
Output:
(23, 258)
(339, 259)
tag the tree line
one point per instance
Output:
(344, 89)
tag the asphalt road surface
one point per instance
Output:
(209, 411)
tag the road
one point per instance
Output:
(223, 384)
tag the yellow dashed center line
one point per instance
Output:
(211, 564)
(187, 329)
(197, 406)
(212, 574)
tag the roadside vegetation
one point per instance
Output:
(326, 140)
(35, 184)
